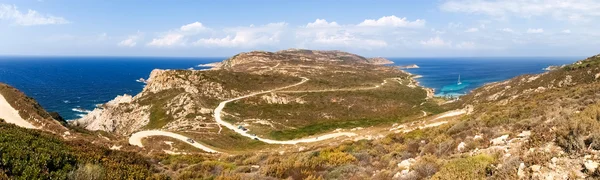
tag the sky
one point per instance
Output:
(399, 28)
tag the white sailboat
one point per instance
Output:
(459, 83)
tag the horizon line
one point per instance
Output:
(143, 56)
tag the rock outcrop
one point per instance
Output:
(379, 60)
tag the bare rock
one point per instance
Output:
(590, 165)
(499, 140)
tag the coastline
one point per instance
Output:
(413, 78)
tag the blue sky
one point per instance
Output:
(398, 28)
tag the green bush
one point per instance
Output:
(475, 167)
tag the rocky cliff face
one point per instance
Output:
(170, 98)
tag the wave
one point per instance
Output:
(80, 115)
(81, 110)
(66, 101)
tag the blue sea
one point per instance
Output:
(73, 85)
(442, 74)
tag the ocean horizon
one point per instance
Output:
(74, 85)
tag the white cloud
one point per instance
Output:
(167, 40)
(566, 31)
(131, 41)
(436, 42)
(31, 18)
(507, 30)
(472, 30)
(196, 26)
(535, 31)
(179, 36)
(323, 34)
(392, 21)
(321, 23)
(570, 10)
(247, 36)
(347, 39)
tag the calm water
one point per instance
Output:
(442, 73)
(69, 85)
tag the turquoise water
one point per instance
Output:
(441, 74)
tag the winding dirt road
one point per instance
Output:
(136, 139)
(219, 109)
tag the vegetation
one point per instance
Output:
(563, 118)
(475, 167)
(31, 154)
(389, 104)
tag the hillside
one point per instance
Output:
(324, 91)
(529, 127)
(30, 111)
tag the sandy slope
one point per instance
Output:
(136, 139)
(11, 115)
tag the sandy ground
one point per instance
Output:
(136, 139)
(11, 115)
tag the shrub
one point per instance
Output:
(336, 157)
(475, 167)
(89, 172)
(427, 166)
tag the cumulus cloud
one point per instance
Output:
(566, 31)
(436, 42)
(580, 10)
(31, 18)
(196, 26)
(348, 40)
(322, 23)
(131, 40)
(535, 31)
(178, 37)
(321, 34)
(247, 36)
(472, 30)
(167, 40)
(392, 21)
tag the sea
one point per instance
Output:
(453, 77)
(73, 86)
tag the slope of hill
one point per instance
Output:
(29, 112)
(544, 126)
(324, 91)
